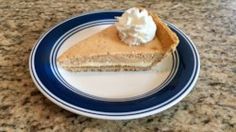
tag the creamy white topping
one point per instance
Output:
(136, 26)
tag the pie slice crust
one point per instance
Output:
(104, 51)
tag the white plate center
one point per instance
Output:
(113, 85)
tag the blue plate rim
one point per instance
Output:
(120, 116)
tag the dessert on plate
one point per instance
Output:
(136, 42)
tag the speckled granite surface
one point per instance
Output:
(211, 106)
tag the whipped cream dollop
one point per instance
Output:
(136, 26)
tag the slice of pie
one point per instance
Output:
(104, 51)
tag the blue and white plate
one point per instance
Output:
(110, 95)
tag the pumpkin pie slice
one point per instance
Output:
(104, 51)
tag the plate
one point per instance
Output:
(110, 95)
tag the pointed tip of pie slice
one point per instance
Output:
(104, 51)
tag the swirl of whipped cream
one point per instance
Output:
(136, 26)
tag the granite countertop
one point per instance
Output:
(211, 106)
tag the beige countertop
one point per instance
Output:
(211, 106)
